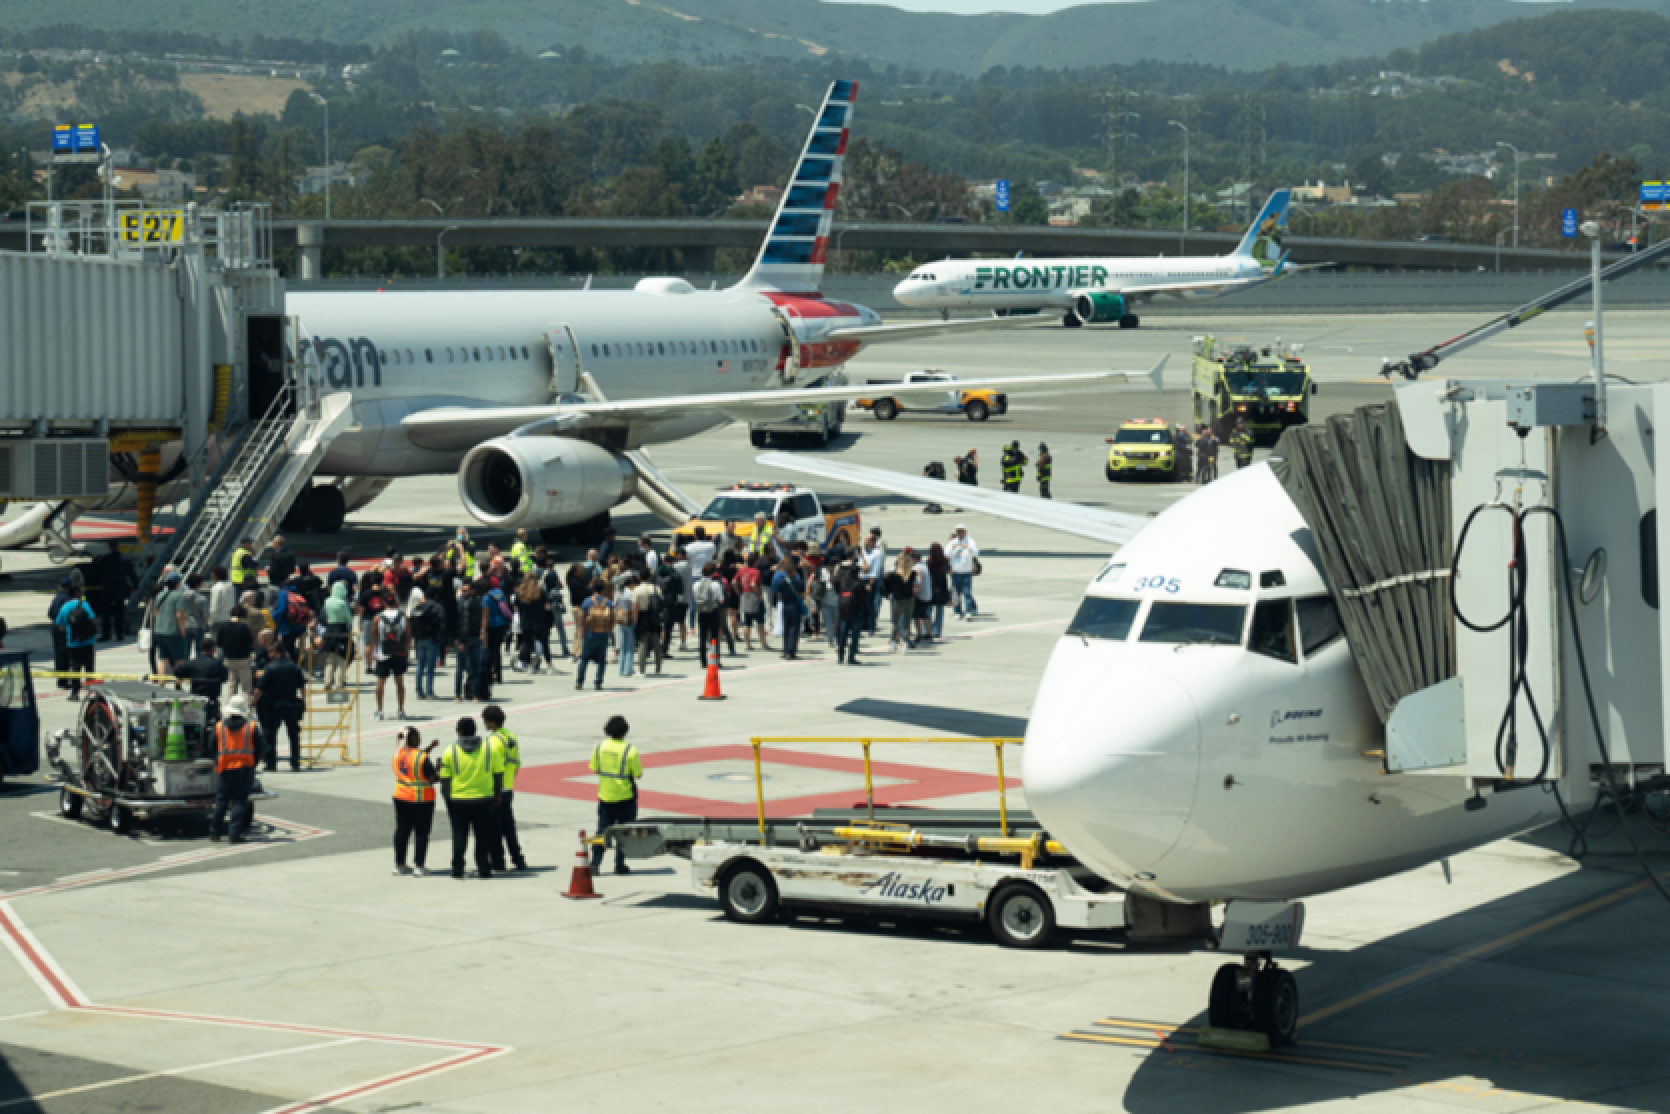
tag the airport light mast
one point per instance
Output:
(1516, 159)
(1183, 242)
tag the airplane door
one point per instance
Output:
(565, 360)
(791, 366)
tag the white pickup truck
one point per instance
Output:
(976, 405)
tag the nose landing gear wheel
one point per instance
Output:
(1255, 996)
(69, 805)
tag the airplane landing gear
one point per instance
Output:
(1255, 995)
(1129, 321)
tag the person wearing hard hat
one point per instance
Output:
(618, 768)
(237, 742)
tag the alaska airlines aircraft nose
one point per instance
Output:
(1111, 759)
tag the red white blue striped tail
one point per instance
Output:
(792, 259)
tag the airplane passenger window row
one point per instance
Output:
(476, 354)
(677, 348)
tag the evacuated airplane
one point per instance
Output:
(1094, 290)
(1202, 733)
(542, 402)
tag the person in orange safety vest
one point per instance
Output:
(237, 742)
(414, 801)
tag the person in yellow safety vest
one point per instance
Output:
(462, 550)
(504, 832)
(237, 742)
(472, 777)
(618, 769)
(414, 800)
(521, 554)
(761, 539)
(245, 575)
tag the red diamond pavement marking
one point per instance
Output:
(571, 780)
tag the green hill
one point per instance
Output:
(1238, 34)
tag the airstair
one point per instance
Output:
(254, 483)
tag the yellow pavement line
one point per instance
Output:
(1439, 966)
(1259, 1057)
(1154, 1026)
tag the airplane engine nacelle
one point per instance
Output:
(1095, 306)
(542, 481)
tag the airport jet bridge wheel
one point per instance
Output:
(1255, 995)
(748, 893)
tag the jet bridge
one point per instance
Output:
(1497, 556)
(147, 362)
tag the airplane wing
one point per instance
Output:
(911, 330)
(453, 428)
(1096, 523)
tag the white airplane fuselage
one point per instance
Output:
(397, 354)
(1055, 283)
(1201, 772)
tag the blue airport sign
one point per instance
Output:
(1003, 195)
(1568, 223)
(1655, 191)
(75, 139)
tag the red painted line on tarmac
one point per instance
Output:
(387, 1081)
(43, 969)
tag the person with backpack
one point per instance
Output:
(708, 596)
(472, 638)
(81, 635)
(669, 581)
(531, 613)
(652, 612)
(499, 615)
(335, 644)
(428, 624)
(556, 609)
(626, 623)
(852, 609)
(394, 647)
(597, 621)
(829, 602)
(290, 616)
(789, 586)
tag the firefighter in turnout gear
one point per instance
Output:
(1014, 467)
(1241, 441)
(1046, 469)
(618, 768)
(1206, 456)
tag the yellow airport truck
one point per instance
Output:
(1268, 387)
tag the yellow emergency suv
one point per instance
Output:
(1142, 449)
(795, 514)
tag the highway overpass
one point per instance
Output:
(699, 240)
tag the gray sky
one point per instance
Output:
(976, 7)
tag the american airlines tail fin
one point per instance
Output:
(1263, 240)
(792, 259)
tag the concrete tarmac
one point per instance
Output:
(296, 972)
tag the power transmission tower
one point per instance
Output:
(1116, 117)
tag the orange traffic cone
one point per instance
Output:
(710, 691)
(579, 882)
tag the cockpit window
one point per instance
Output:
(1236, 579)
(1272, 578)
(1213, 624)
(1109, 619)
(1272, 631)
(1318, 622)
(1112, 573)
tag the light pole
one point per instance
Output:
(1183, 243)
(1515, 151)
(440, 252)
(329, 174)
(1592, 230)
